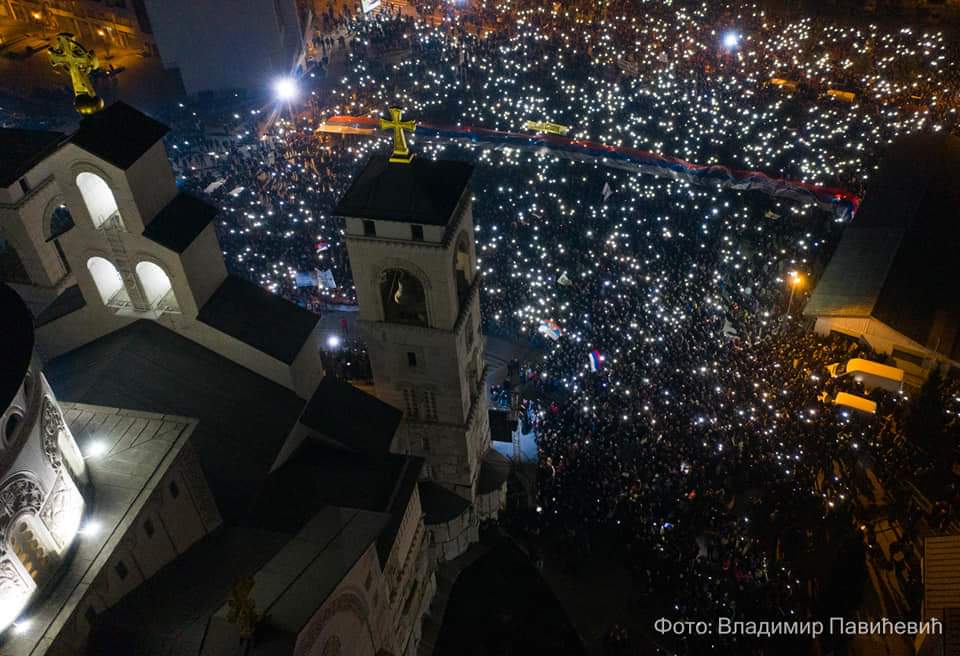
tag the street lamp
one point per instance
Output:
(796, 280)
(285, 89)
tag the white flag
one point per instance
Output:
(563, 280)
(607, 191)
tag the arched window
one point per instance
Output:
(106, 277)
(61, 221)
(403, 298)
(462, 268)
(156, 286)
(98, 198)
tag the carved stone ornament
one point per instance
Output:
(19, 493)
(52, 424)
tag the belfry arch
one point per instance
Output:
(106, 277)
(403, 298)
(98, 197)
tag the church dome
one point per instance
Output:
(41, 469)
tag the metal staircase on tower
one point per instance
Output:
(132, 294)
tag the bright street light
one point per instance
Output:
(285, 89)
(730, 39)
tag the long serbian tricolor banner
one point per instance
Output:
(842, 203)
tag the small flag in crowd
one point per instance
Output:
(607, 191)
(564, 280)
(596, 360)
(550, 329)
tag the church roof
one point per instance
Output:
(16, 345)
(424, 191)
(440, 505)
(24, 149)
(70, 300)
(180, 222)
(318, 475)
(243, 418)
(119, 134)
(356, 420)
(897, 261)
(169, 613)
(256, 317)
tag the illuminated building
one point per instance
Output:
(891, 280)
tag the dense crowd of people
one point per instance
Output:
(678, 398)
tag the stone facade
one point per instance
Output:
(122, 274)
(41, 505)
(431, 369)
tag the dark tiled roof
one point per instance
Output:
(351, 417)
(494, 471)
(897, 261)
(16, 345)
(119, 134)
(423, 191)
(169, 613)
(256, 317)
(318, 475)
(179, 223)
(21, 150)
(440, 505)
(70, 300)
(243, 418)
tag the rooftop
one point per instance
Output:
(318, 476)
(24, 149)
(354, 419)
(253, 315)
(243, 418)
(69, 300)
(440, 505)
(16, 346)
(180, 222)
(424, 191)
(140, 449)
(897, 261)
(119, 134)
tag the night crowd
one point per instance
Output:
(701, 432)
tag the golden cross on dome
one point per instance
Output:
(80, 63)
(401, 152)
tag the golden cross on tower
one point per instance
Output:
(401, 152)
(80, 63)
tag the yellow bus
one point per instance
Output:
(871, 374)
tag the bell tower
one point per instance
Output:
(409, 233)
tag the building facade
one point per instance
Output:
(119, 23)
(254, 42)
(409, 233)
(183, 386)
(42, 472)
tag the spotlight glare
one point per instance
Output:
(96, 449)
(285, 89)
